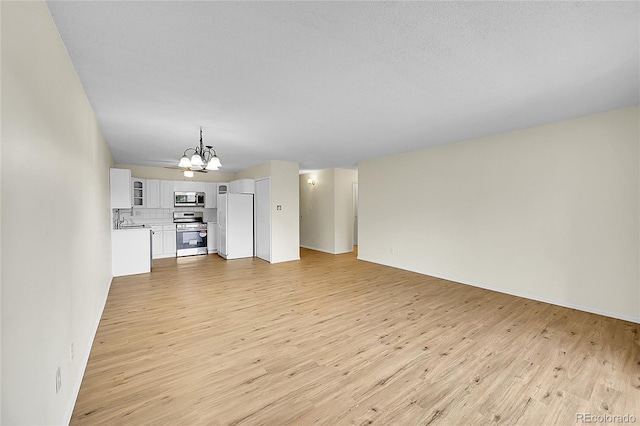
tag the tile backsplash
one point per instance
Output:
(149, 216)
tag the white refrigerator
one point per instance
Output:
(235, 222)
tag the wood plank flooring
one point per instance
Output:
(335, 341)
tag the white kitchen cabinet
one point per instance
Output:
(169, 242)
(242, 186)
(210, 195)
(212, 237)
(137, 192)
(120, 185)
(164, 240)
(184, 185)
(130, 251)
(152, 196)
(199, 186)
(166, 194)
(188, 186)
(156, 245)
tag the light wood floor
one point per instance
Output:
(332, 340)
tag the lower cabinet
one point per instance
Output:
(212, 237)
(169, 242)
(164, 241)
(156, 245)
(130, 252)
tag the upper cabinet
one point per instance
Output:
(210, 195)
(242, 186)
(152, 193)
(186, 185)
(155, 193)
(120, 183)
(138, 192)
(152, 196)
(166, 194)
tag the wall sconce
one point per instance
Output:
(311, 181)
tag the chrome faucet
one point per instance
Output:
(118, 221)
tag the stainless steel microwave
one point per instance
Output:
(189, 199)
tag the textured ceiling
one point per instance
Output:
(328, 84)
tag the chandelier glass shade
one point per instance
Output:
(202, 157)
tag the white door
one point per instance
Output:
(263, 219)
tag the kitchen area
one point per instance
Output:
(154, 219)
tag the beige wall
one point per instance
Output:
(285, 223)
(55, 230)
(162, 173)
(260, 171)
(317, 211)
(285, 236)
(344, 209)
(549, 212)
(1, 137)
(326, 210)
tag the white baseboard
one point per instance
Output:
(163, 256)
(85, 358)
(326, 251)
(550, 301)
(316, 249)
(524, 295)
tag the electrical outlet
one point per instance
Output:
(71, 353)
(58, 380)
(392, 250)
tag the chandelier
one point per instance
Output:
(203, 158)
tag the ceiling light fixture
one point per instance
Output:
(203, 157)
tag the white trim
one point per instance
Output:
(524, 295)
(316, 249)
(281, 261)
(164, 256)
(325, 251)
(85, 359)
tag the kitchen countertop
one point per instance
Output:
(148, 225)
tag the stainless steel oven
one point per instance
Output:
(191, 233)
